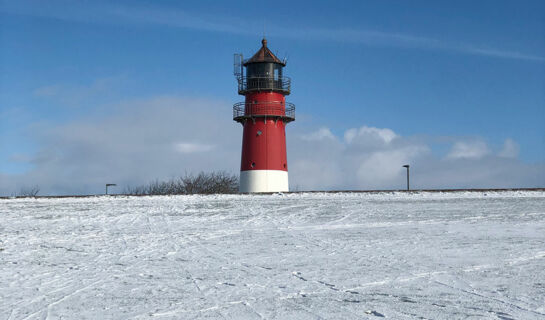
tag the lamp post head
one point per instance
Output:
(406, 166)
(109, 185)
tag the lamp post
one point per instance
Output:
(407, 166)
(109, 185)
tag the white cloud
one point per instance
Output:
(510, 149)
(370, 135)
(499, 53)
(383, 168)
(367, 158)
(320, 134)
(468, 150)
(193, 147)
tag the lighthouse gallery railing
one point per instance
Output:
(273, 109)
(246, 84)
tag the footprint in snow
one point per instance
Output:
(406, 299)
(228, 284)
(351, 301)
(376, 314)
(297, 275)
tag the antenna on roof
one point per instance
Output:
(237, 65)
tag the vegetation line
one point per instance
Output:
(295, 192)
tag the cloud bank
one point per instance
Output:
(372, 158)
(136, 142)
(162, 137)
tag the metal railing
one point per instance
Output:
(274, 109)
(246, 84)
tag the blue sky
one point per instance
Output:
(445, 78)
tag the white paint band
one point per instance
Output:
(263, 181)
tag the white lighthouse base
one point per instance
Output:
(263, 181)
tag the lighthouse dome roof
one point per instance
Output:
(264, 55)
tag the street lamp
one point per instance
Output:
(407, 166)
(109, 185)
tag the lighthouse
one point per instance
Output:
(263, 115)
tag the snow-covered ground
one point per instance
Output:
(294, 256)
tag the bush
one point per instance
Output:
(202, 183)
(29, 191)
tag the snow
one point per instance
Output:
(286, 256)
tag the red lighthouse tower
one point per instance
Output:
(264, 115)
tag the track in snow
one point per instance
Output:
(299, 256)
